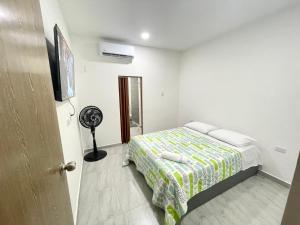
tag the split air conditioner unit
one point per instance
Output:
(116, 50)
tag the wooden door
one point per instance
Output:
(32, 191)
(292, 215)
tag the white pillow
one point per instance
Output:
(232, 137)
(201, 127)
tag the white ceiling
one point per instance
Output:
(172, 24)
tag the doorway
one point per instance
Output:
(131, 107)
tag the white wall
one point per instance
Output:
(249, 81)
(98, 85)
(68, 126)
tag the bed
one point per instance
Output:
(214, 166)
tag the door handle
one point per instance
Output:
(70, 166)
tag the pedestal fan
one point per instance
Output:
(91, 117)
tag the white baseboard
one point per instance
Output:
(112, 145)
(274, 178)
(103, 146)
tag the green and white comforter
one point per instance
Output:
(175, 183)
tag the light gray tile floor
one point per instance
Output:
(114, 195)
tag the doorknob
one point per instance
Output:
(70, 166)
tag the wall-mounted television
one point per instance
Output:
(61, 62)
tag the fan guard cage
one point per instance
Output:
(90, 116)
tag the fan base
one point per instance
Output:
(95, 156)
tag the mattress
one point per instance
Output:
(173, 183)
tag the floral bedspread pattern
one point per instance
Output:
(174, 183)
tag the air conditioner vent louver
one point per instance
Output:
(116, 55)
(120, 51)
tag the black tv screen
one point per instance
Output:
(63, 74)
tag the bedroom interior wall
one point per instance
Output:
(248, 80)
(69, 130)
(98, 85)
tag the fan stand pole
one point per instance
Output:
(94, 140)
(96, 154)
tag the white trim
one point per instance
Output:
(103, 146)
(274, 178)
(112, 145)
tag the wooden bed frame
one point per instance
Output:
(204, 196)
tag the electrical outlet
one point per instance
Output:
(280, 149)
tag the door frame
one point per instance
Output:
(141, 92)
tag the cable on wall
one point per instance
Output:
(72, 114)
